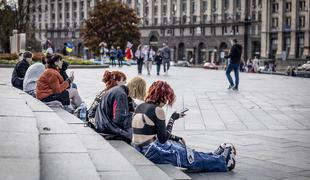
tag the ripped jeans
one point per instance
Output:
(175, 153)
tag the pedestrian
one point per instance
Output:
(139, 56)
(166, 54)
(148, 58)
(158, 61)
(120, 56)
(128, 53)
(64, 50)
(235, 57)
(103, 52)
(154, 139)
(113, 55)
(20, 70)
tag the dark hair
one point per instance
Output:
(235, 40)
(51, 61)
(27, 54)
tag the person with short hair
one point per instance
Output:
(139, 55)
(158, 61)
(235, 57)
(20, 70)
(154, 139)
(52, 87)
(166, 55)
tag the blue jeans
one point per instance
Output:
(158, 68)
(175, 153)
(229, 68)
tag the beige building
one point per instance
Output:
(285, 29)
(193, 29)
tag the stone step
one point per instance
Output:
(62, 154)
(19, 137)
(109, 163)
(145, 167)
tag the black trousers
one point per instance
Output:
(140, 65)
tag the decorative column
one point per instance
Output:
(188, 11)
(280, 30)
(63, 14)
(159, 11)
(78, 13)
(265, 29)
(307, 30)
(198, 12)
(169, 10)
(294, 19)
(56, 14)
(85, 9)
(70, 14)
(49, 14)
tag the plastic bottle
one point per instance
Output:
(83, 112)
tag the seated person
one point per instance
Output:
(32, 75)
(64, 74)
(20, 70)
(52, 87)
(137, 91)
(110, 79)
(155, 141)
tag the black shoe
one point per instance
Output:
(230, 87)
(235, 88)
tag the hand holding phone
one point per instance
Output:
(184, 110)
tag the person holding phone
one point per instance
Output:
(154, 139)
(51, 86)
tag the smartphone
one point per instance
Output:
(184, 110)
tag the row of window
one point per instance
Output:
(288, 6)
(287, 22)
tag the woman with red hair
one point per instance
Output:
(155, 141)
(110, 79)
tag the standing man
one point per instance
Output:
(113, 55)
(235, 57)
(120, 56)
(166, 55)
(139, 56)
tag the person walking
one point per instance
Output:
(20, 70)
(103, 52)
(113, 55)
(120, 56)
(166, 54)
(149, 56)
(128, 53)
(139, 56)
(235, 57)
(158, 61)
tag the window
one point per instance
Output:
(194, 7)
(155, 21)
(275, 7)
(155, 10)
(214, 5)
(300, 46)
(288, 6)
(226, 4)
(302, 5)
(205, 6)
(302, 21)
(287, 22)
(253, 3)
(238, 4)
(274, 22)
(259, 16)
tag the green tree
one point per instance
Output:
(6, 25)
(111, 22)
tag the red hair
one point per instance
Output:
(160, 92)
(110, 78)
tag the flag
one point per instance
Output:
(69, 47)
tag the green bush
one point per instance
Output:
(77, 61)
(7, 61)
(7, 56)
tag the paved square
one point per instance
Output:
(268, 119)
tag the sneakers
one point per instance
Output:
(235, 88)
(230, 87)
(229, 153)
(220, 149)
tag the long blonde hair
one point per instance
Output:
(137, 88)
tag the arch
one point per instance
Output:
(223, 46)
(80, 50)
(201, 53)
(153, 41)
(181, 52)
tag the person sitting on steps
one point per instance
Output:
(154, 139)
(52, 87)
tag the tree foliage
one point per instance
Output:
(111, 22)
(7, 16)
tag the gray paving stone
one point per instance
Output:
(110, 161)
(67, 117)
(63, 166)
(35, 104)
(19, 168)
(9, 107)
(19, 145)
(18, 124)
(173, 172)
(95, 142)
(52, 121)
(81, 129)
(61, 143)
(120, 175)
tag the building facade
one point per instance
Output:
(194, 29)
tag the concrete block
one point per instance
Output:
(19, 168)
(64, 166)
(120, 175)
(60, 143)
(52, 121)
(18, 124)
(35, 104)
(14, 107)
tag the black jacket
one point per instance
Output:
(158, 59)
(235, 54)
(19, 74)
(112, 115)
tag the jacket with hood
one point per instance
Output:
(18, 74)
(112, 115)
(235, 54)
